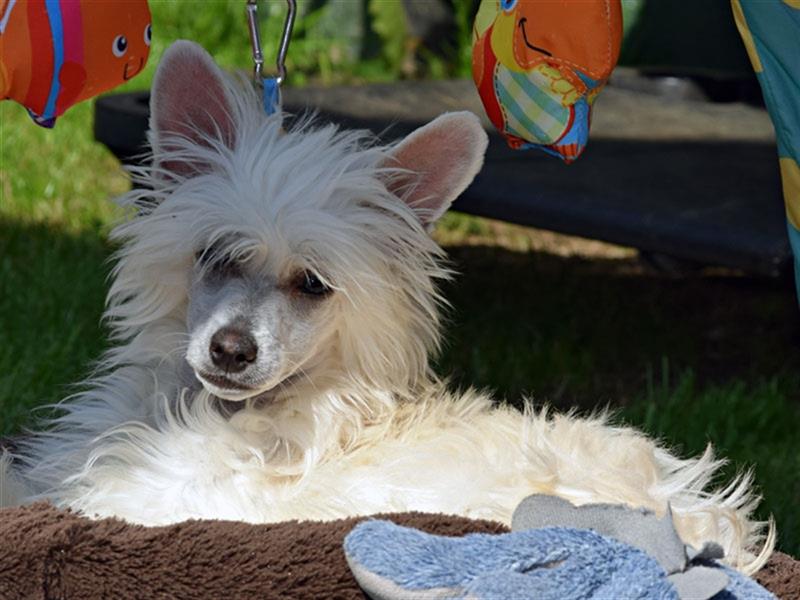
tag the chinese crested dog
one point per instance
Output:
(273, 308)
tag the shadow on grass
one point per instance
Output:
(568, 331)
(52, 288)
(577, 331)
(695, 359)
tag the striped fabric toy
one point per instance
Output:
(56, 53)
(539, 65)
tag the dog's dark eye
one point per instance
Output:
(310, 284)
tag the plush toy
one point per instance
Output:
(556, 550)
(56, 53)
(539, 65)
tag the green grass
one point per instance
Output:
(711, 357)
(750, 425)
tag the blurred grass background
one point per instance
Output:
(708, 357)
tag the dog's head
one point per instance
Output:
(298, 256)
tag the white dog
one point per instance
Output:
(274, 305)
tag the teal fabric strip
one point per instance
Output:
(775, 28)
(794, 241)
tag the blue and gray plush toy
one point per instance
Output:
(555, 551)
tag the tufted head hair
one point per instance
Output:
(226, 176)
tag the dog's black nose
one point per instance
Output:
(232, 349)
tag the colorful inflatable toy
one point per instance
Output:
(56, 53)
(540, 64)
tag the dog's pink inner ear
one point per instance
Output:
(442, 158)
(189, 100)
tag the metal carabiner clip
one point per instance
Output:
(255, 41)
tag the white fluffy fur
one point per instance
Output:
(370, 428)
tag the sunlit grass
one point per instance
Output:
(753, 427)
(60, 176)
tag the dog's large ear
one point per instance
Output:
(441, 158)
(189, 101)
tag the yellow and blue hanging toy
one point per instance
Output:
(540, 64)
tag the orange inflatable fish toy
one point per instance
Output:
(56, 53)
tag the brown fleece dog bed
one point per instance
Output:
(47, 553)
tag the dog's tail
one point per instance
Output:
(12, 490)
